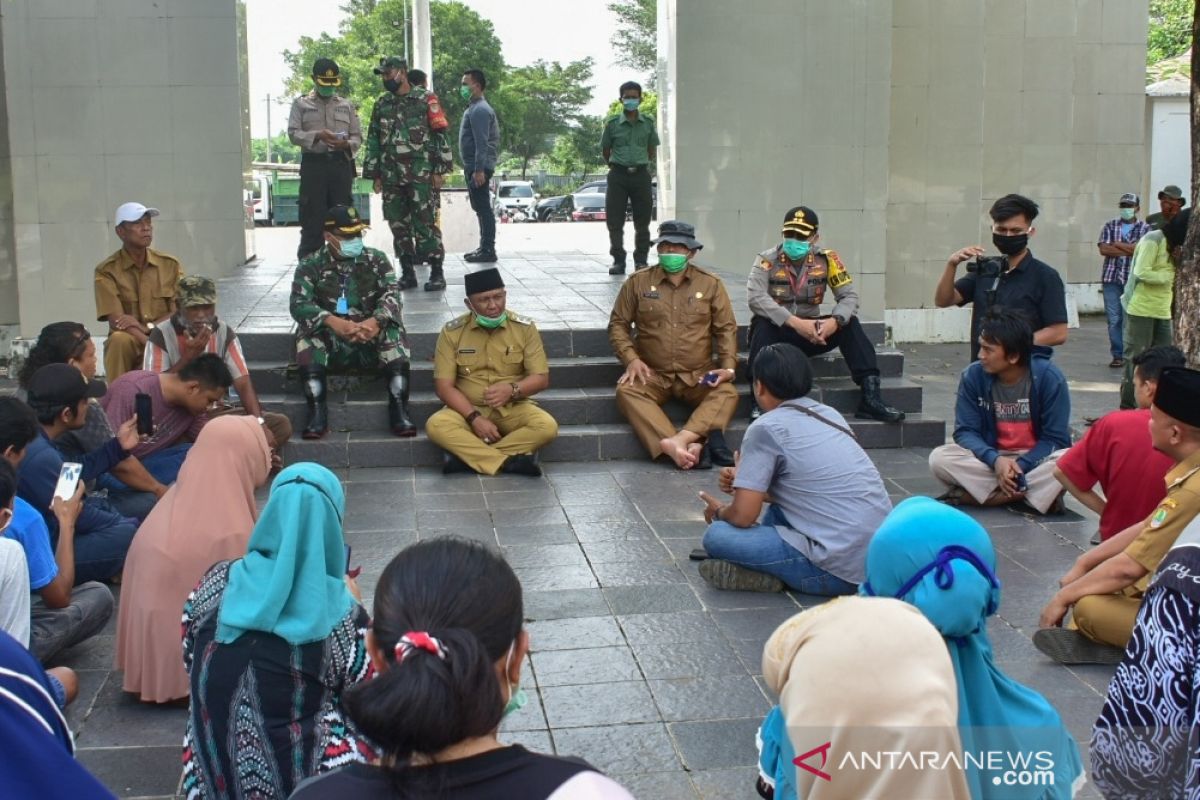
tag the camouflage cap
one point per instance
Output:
(391, 62)
(196, 290)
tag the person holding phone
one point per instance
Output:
(58, 395)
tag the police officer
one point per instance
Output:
(326, 129)
(677, 309)
(786, 287)
(408, 153)
(488, 364)
(347, 308)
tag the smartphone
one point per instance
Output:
(1022, 484)
(710, 378)
(68, 480)
(145, 417)
(342, 135)
(347, 558)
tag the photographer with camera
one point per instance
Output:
(1015, 280)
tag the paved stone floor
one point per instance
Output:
(636, 665)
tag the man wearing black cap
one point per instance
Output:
(489, 362)
(348, 313)
(676, 309)
(58, 395)
(786, 288)
(1106, 585)
(326, 129)
(1170, 202)
(408, 156)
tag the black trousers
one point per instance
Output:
(481, 204)
(850, 339)
(326, 180)
(628, 189)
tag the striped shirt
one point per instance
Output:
(1116, 268)
(163, 351)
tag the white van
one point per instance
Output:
(518, 195)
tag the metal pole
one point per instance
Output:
(422, 41)
(404, 31)
(269, 159)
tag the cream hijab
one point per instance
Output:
(867, 675)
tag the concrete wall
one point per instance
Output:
(108, 101)
(1169, 150)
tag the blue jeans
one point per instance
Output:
(100, 552)
(761, 549)
(481, 204)
(163, 466)
(1116, 318)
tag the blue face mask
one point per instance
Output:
(795, 249)
(351, 248)
(631, 103)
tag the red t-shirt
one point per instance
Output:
(1116, 452)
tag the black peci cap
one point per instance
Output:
(484, 280)
(1178, 395)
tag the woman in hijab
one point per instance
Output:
(942, 561)
(835, 702)
(205, 517)
(271, 642)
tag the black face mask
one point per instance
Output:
(391, 84)
(1010, 245)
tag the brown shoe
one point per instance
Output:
(1117, 363)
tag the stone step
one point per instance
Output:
(277, 345)
(586, 443)
(591, 406)
(565, 373)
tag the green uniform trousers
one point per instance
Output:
(1140, 333)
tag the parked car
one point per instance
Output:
(602, 187)
(554, 208)
(515, 195)
(589, 205)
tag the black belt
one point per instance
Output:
(338, 156)
(630, 170)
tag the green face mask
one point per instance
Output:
(491, 322)
(326, 91)
(672, 262)
(464, 92)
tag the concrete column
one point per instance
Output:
(422, 44)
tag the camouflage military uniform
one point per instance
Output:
(368, 283)
(406, 146)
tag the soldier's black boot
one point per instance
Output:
(398, 418)
(437, 279)
(313, 377)
(408, 276)
(871, 406)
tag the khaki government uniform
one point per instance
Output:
(147, 295)
(476, 358)
(1109, 618)
(675, 330)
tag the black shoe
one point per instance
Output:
(398, 418)
(452, 464)
(474, 252)
(313, 378)
(1072, 647)
(871, 406)
(699, 554)
(437, 278)
(618, 268)
(481, 257)
(705, 460)
(718, 450)
(408, 275)
(526, 464)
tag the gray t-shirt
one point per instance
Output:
(821, 479)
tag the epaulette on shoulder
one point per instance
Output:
(515, 317)
(457, 322)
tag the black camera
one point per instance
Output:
(986, 267)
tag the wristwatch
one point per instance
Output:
(516, 387)
(472, 416)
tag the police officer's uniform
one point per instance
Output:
(326, 174)
(475, 357)
(779, 289)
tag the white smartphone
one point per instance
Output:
(68, 480)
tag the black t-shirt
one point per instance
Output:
(507, 772)
(1034, 288)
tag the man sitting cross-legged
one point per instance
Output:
(1011, 422)
(1106, 585)
(827, 497)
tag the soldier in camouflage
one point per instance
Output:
(346, 304)
(785, 290)
(408, 155)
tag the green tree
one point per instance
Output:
(282, 150)
(1170, 29)
(649, 105)
(578, 150)
(636, 37)
(549, 98)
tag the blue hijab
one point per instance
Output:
(291, 580)
(942, 561)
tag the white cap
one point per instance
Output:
(132, 212)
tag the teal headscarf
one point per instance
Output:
(995, 713)
(290, 582)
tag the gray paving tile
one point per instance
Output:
(544, 555)
(454, 520)
(708, 698)
(596, 704)
(637, 573)
(535, 741)
(651, 599)
(717, 744)
(526, 498)
(576, 576)
(591, 666)
(726, 784)
(752, 623)
(564, 604)
(688, 659)
(136, 771)
(572, 634)
(658, 785)
(535, 534)
(617, 749)
(686, 626)
(604, 532)
(629, 550)
(715, 599)
(519, 517)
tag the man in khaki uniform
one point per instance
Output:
(677, 309)
(1107, 584)
(488, 364)
(135, 290)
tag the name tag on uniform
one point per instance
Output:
(467, 351)
(651, 295)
